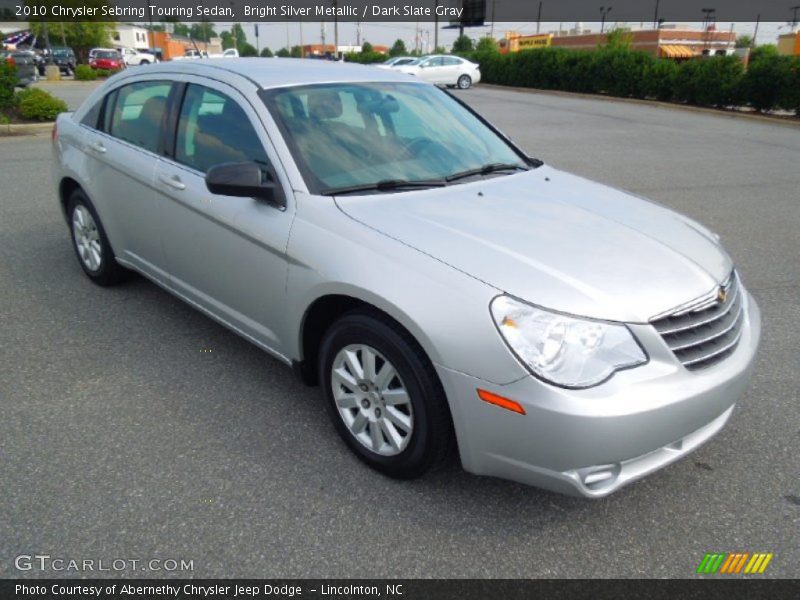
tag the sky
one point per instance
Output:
(274, 35)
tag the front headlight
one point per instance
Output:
(563, 350)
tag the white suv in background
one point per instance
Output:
(135, 57)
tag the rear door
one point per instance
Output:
(225, 254)
(433, 70)
(122, 156)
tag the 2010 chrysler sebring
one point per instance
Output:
(443, 288)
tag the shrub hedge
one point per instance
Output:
(37, 105)
(771, 81)
(85, 73)
(8, 81)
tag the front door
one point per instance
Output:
(225, 254)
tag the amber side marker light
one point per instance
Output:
(500, 401)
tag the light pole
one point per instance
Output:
(794, 10)
(655, 16)
(707, 19)
(604, 10)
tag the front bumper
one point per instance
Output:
(591, 442)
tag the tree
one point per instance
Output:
(202, 31)
(248, 50)
(227, 40)
(266, 53)
(744, 41)
(618, 39)
(297, 52)
(440, 50)
(181, 29)
(398, 48)
(81, 36)
(486, 44)
(366, 48)
(463, 43)
(283, 53)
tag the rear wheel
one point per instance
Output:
(464, 82)
(91, 243)
(383, 395)
(144, 62)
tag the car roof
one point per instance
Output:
(283, 72)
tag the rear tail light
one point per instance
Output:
(10, 60)
(54, 133)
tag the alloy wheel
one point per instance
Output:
(372, 400)
(87, 238)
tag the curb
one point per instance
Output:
(12, 129)
(775, 120)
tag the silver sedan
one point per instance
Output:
(447, 292)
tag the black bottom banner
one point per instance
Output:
(397, 589)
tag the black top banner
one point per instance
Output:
(466, 12)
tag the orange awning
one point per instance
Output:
(675, 51)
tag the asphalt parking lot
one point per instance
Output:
(134, 427)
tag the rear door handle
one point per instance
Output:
(174, 182)
(97, 147)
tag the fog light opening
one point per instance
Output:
(599, 477)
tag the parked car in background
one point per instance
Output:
(110, 60)
(198, 54)
(570, 335)
(444, 70)
(134, 57)
(64, 59)
(25, 62)
(397, 61)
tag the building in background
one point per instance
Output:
(128, 35)
(789, 44)
(168, 45)
(670, 41)
(318, 50)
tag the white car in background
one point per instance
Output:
(134, 57)
(198, 54)
(397, 61)
(444, 70)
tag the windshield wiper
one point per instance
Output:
(486, 170)
(386, 185)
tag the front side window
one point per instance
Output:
(138, 114)
(357, 134)
(213, 129)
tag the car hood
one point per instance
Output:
(556, 240)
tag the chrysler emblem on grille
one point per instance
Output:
(722, 295)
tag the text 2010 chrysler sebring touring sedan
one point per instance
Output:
(444, 289)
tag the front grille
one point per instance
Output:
(707, 331)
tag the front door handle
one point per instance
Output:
(174, 182)
(97, 147)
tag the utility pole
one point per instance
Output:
(288, 45)
(794, 10)
(302, 46)
(655, 16)
(335, 31)
(539, 18)
(604, 10)
(755, 33)
(436, 26)
(322, 37)
(491, 31)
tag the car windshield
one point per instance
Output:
(106, 55)
(60, 52)
(364, 134)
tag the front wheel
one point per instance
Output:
(383, 395)
(464, 82)
(91, 243)
(144, 62)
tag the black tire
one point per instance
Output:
(109, 272)
(144, 62)
(464, 82)
(432, 437)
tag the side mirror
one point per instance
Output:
(245, 180)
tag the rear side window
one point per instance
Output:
(213, 129)
(93, 114)
(138, 113)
